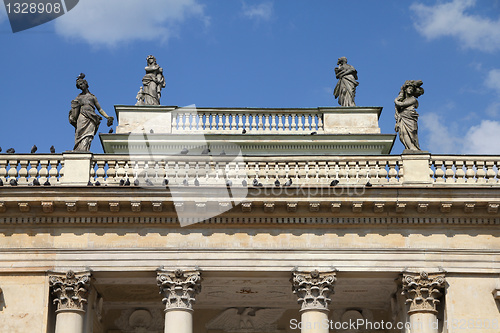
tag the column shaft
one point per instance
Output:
(178, 321)
(69, 322)
(314, 321)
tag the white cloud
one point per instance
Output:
(483, 138)
(451, 20)
(441, 137)
(113, 21)
(437, 137)
(493, 80)
(263, 11)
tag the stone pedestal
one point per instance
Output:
(313, 290)
(179, 290)
(422, 292)
(70, 294)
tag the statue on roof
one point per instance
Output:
(152, 82)
(347, 76)
(406, 115)
(83, 116)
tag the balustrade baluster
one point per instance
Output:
(300, 122)
(490, 173)
(449, 173)
(23, 172)
(439, 173)
(460, 173)
(481, 172)
(287, 122)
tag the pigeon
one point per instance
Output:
(334, 182)
(97, 183)
(13, 182)
(368, 184)
(223, 153)
(244, 182)
(288, 182)
(110, 131)
(185, 182)
(89, 183)
(165, 182)
(136, 182)
(151, 131)
(52, 149)
(36, 182)
(122, 182)
(149, 182)
(34, 149)
(47, 183)
(277, 183)
(229, 183)
(255, 182)
(1, 182)
(0, 149)
(205, 151)
(127, 182)
(314, 133)
(196, 182)
(244, 131)
(10, 151)
(184, 151)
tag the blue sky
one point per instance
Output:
(253, 53)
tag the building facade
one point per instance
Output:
(228, 220)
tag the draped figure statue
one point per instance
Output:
(152, 82)
(406, 117)
(83, 116)
(347, 76)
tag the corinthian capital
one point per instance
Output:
(422, 291)
(179, 288)
(313, 289)
(70, 290)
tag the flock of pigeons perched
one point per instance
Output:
(33, 150)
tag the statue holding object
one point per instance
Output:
(83, 116)
(347, 76)
(153, 82)
(406, 115)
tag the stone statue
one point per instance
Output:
(406, 116)
(83, 116)
(345, 90)
(152, 82)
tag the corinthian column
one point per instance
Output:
(70, 294)
(313, 290)
(179, 290)
(422, 292)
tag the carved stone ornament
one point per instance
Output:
(179, 288)
(313, 289)
(70, 291)
(423, 291)
(246, 320)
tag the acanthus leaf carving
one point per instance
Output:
(70, 291)
(422, 291)
(313, 289)
(179, 288)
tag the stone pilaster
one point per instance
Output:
(70, 291)
(313, 289)
(70, 294)
(179, 290)
(422, 291)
